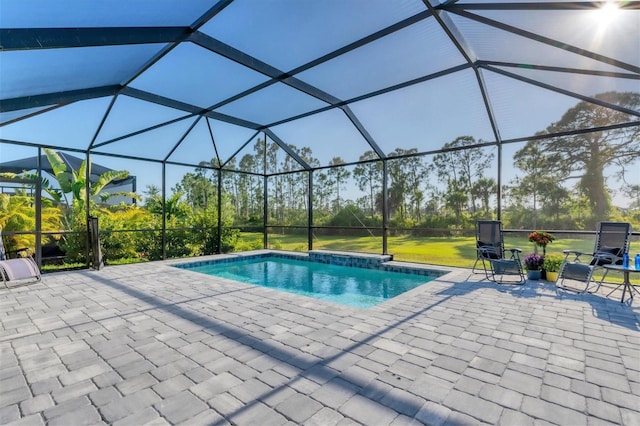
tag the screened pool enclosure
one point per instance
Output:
(380, 126)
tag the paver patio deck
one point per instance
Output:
(153, 344)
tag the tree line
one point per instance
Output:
(561, 182)
(564, 179)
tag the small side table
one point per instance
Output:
(626, 283)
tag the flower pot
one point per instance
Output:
(552, 276)
(533, 275)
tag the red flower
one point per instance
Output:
(541, 238)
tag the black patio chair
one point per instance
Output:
(612, 241)
(497, 262)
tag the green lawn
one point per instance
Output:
(446, 251)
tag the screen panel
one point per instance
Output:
(304, 30)
(154, 144)
(425, 116)
(416, 51)
(522, 109)
(104, 13)
(599, 30)
(70, 126)
(129, 115)
(34, 72)
(493, 44)
(213, 79)
(321, 136)
(273, 103)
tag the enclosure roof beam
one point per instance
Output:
(287, 149)
(227, 119)
(182, 138)
(564, 91)
(574, 132)
(257, 65)
(161, 100)
(559, 5)
(55, 38)
(138, 132)
(456, 37)
(192, 109)
(600, 73)
(34, 101)
(287, 77)
(545, 40)
(363, 131)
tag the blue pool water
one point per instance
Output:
(357, 287)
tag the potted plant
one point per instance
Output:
(533, 262)
(541, 239)
(552, 264)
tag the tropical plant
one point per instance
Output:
(54, 193)
(75, 181)
(18, 213)
(174, 206)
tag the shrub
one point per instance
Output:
(552, 262)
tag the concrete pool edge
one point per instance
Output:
(445, 274)
(350, 259)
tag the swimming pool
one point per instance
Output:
(352, 286)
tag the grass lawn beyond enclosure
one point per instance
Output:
(446, 251)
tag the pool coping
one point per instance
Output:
(342, 258)
(444, 273)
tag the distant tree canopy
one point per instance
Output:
(564, 179)
(584, 157)
(561, 181)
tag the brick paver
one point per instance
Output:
(155, 344)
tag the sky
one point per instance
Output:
(288, 34)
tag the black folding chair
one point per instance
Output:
(612, 241)
(496, 263)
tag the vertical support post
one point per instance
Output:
(385, 208)
(87, 201)
(164, 210)
(265, 212)
(499, 193)
(219, 237)
(310, 212)
(134, 189)
(265, 203)
(38, 200)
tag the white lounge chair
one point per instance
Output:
(18, 271)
